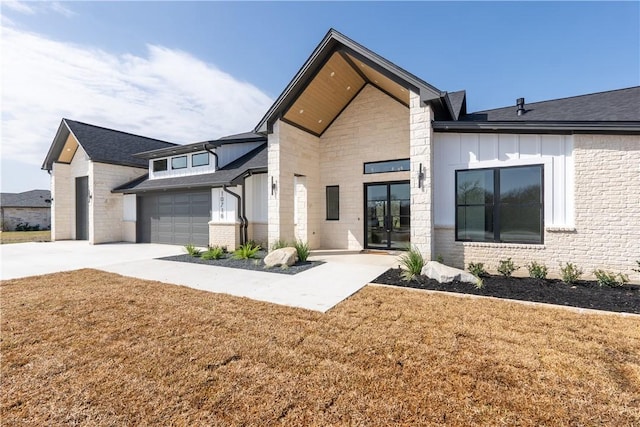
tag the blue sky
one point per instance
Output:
(189, 71)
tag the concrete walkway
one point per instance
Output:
(319, 288)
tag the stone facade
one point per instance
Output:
(105, 208)
(224, 234)
(12, 216)
(606, 216)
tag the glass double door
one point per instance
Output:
(388, 215)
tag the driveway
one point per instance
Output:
(319, 288)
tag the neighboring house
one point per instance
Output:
(364, 155)
(31, 208)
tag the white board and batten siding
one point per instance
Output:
(224, 205)
(458, 151)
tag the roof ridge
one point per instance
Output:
(560, 99)
(118, 131)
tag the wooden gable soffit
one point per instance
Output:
(68, 149)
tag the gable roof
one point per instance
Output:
(102, 145)
(349, 62)
(26, 199)
(615, 111)
(254, 161)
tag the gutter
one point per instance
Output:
(555, 127)
(215, 156)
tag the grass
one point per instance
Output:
(90, 347)
(25, 236)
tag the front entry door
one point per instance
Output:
(388, 215)
(82, 208)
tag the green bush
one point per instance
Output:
(440, 259)
(570, 273)
(303, 250)
(612, 280)
(537, 271)
(412, 262)
(26, 227)
(215, 252)
(246, 251)
(506, 267)
(192, 250)
(477, 269)
(637, 270)
(279, 244)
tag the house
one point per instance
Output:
(357, 153)
(32, 208)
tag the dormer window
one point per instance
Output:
(200, 159)
(179, 162)
(160, 165)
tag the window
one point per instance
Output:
(500, 205)
(200, 159)
(179, 162)
(160, 165)
(387, 166)
(333, 202)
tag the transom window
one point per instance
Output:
(500, 205)
(200, 159)
(387, 166)
(179, 162)
(160, 165)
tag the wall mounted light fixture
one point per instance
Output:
(420, 176)
(274, 186)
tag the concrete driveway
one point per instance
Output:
(319, 288)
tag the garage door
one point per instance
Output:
(174, 218)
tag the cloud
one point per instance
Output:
(165, 94)
(19, 6)
(31, 8)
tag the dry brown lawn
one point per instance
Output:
(24, 236)
(94, 348)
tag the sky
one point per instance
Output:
(193, 71)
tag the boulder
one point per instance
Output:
(445, 274)
(282, 256)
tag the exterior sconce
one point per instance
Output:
(420, 176)
(274, 186)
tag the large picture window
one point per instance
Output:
(500, 205)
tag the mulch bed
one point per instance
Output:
(583, 294)
(255, 264)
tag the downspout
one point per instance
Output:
(215, 156)
(239, 205)
(244, 208)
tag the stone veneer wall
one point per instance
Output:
(258, 232)
(607, 216)
(292, 152)
(11, 217)
(224, 234)
(373, 127)
(105, 214)
(63, 192)
(421, 146)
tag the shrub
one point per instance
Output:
(479, 283)
(637, 270)
(279, 244)
(26, 227)
(192, 250)
(246, 251)
(303, 250)
(612, 280)
(570, 273)
(537, 271)
(215, 252)
(440, 259)
(506, 267)
(477, 269)
(412, 262)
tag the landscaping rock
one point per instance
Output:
(445, 274)
(282, 256)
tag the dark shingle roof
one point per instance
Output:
(458, 103)
(112, 146)
(255, 160)
(612, 106)
(27, 199)
(198, 146)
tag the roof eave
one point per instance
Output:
(55, 148)
(333, 40)
(546, 126)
